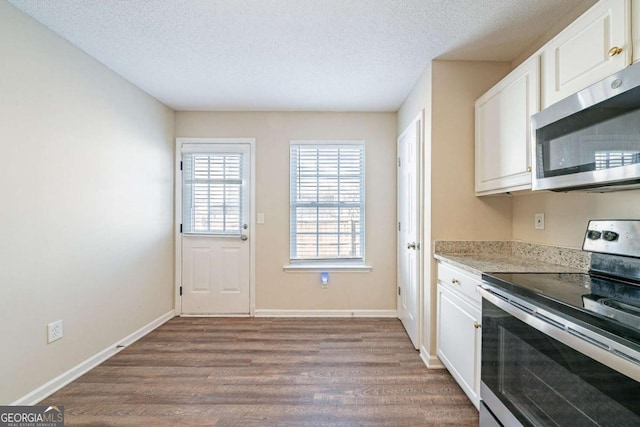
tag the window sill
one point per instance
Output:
(329, 267)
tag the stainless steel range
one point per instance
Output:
(564, 349)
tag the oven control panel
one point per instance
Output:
(616, 237)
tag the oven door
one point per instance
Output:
(532, 379)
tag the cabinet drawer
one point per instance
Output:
(462, 282)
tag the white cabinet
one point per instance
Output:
(503, 131)
(585, 52)
(459, 335)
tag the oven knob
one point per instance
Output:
(610, 236)
(593, 234)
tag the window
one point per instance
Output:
(212, 193)
(327, 201)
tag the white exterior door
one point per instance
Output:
(215, 238)
(409, 212)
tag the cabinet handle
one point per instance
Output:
(477, 325)
(615, 51)
(455, 281)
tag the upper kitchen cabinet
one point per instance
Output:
(503, 131)
(593, 47)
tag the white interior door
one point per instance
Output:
(409, 212)
(215, 229)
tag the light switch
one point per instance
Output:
(260, 218)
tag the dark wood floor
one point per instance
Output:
(267, 372)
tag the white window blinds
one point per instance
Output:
(212, 193)
(327, 201)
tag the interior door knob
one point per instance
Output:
(411, 245)
(244, 237)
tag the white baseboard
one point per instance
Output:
(72, 374)
(215, 315)
(154, 324)
(326, 313)
(432, 362)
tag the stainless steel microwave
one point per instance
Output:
(590, 140)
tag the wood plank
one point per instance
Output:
(261, 372)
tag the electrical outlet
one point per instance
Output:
(539, 221)
(54, 331)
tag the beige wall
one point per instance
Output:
(419, 99)
(447, 91)
(86, 185)
(275, 289)
(567, 214)
(456, 213)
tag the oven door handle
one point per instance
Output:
(606, 351)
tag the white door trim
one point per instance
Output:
(411, 127)
(178, 215)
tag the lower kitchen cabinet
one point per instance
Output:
(459, 336)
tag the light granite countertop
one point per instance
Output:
(479, 257)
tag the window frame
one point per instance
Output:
(324, 264)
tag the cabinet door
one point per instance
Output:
(459, 339)
(581, 54)
(503, 131)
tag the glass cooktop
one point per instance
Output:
(601, 302)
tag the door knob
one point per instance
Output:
(477, 325)
(244, 237)
(411, 245)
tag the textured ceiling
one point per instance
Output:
(317, 55)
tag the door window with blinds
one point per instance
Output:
(327, 200)
(212, 192)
